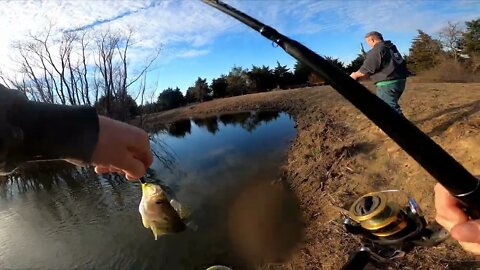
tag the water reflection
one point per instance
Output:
(221, 168)
(210, 123)
(180, 128)
(233, 119)
(247, 120)
(43, 176)
(49, 175)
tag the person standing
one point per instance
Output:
(386, 67)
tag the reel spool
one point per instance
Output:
(377, 215)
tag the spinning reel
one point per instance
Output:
(390, 223)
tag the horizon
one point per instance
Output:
(199, 41)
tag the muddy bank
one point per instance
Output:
(338, 155)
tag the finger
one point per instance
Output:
(467, 232)
(139, 138)
(145, 157)
(131, 177)
(140, 148)
(443, 198)
(471, 247)
(102, 169)
(114, 169)
(133, 168)
(449, 212)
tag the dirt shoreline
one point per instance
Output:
(338, 155)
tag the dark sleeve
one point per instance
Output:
(372, 63)
(40, 131)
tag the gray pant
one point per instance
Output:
(391, 94)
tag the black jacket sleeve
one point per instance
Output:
(373, 61)
(32, 131)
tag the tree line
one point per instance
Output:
(240, 81)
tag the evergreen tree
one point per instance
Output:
(237, 80)
(170, 98)
(472, 43)
(283, 76)
(261, 79)
(219, 87)
(200, 92)
(425, 52)
(301, 73)
(357, 62)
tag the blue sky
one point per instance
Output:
(197, 40)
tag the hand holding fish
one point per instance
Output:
(121, 148)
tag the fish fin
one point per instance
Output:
(145, 222)
(182, 211)
(191, 225)
(157, 230)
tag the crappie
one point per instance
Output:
(157, 211)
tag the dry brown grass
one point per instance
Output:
(447, 72)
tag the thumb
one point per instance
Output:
(467, 232)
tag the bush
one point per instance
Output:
(448, 71)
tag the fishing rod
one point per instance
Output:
(433, 158)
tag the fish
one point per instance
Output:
(161, 215)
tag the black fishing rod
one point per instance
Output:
(443, 167)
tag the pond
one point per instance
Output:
(224, 170)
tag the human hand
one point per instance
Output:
(451, 216)
(121, 148)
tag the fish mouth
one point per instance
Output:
(162, 201)
(150, 189)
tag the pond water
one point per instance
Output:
(223, 169)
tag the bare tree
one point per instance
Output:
(81, 68)
(106, 44)
(112, 63)
(451, 37)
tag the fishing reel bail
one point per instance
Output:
(391, 218)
